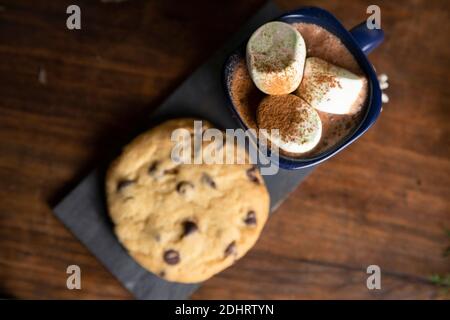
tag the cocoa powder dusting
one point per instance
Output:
(264, 63)
(246, 97)
(244, 94)
(283, 112)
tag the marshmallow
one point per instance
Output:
(332, 89)
(299, 125)
(276, 55)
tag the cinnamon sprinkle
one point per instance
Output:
(266, 63)
(283, 112)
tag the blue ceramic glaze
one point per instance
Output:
(359, 41)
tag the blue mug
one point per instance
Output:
(360, 41)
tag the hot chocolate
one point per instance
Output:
(321, 44)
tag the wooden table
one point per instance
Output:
(67, 97)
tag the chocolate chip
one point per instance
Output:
(206, 178)
(171, 257)
(231, 249)
(123, 184)
(189, 227)
(250, 220)
(152, 168)
(251, 174)
(184, 186)
(171, 171)
(162, 274)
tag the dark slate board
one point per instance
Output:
(83, 210)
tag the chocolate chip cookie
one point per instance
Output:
(184, 222)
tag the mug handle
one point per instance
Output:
(367, 39)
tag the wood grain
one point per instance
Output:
(384, 200)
